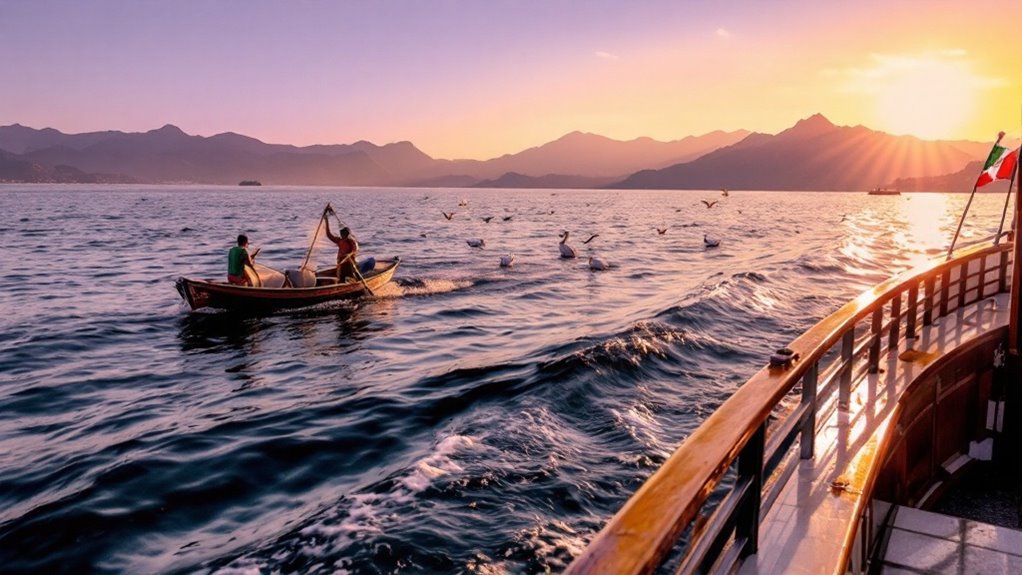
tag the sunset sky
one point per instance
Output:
(477, 79)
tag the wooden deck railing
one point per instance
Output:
(751, 437)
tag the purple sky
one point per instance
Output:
(480, 78)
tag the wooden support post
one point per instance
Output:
(750, 464)
(945, 285)
(913, 311)
(845, 385)
(963, 283)
(892, 341)
(928, 304)
(982, 278)
(807, 439)
(874, 346)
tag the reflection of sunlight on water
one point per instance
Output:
(927, 218)
(855, 250)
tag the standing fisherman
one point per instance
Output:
(347, 248)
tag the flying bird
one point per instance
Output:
(709, 204)
(661, 231)
(591, 238)
(487, 219)
(723, 192)
(448, 216)
(566, 250)
(508, 218)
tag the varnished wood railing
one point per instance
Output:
(751, 437)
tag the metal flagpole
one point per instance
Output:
(951, 248)
(1004, 212)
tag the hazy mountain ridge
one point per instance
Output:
(960, 181)
(168, 154)
(549, 181)
(814, 154)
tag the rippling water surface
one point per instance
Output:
(467, 419)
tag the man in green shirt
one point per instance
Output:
(237, 259)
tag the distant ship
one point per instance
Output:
(884, 192)
(250, 183)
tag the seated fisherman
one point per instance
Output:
(237, 259)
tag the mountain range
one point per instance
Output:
(814, 154)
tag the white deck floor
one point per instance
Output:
(802, 533)
(924, 542)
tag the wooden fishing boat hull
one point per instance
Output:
(218, 294)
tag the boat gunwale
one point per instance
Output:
(641, 534)
(388, 267)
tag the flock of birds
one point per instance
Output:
(596, 263)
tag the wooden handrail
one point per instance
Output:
(646, 529)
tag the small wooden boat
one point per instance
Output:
(275, 292)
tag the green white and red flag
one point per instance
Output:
(1000, 165)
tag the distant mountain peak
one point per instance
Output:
(169, 129)
(808, 127)
(815, 121)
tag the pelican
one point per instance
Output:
(476, 243)
(709, 204)
(566, 250)
(710, 242)
(507, 261)
(597, 263)
(448, 216)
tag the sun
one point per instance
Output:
(928, 98)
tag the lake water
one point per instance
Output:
(468, 418)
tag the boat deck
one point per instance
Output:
(802, 533)
(924, 542)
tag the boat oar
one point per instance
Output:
(258, 280)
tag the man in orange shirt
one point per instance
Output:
(347, 248)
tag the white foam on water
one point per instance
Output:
(243, 566)
(549, 537)
(641, 425)
(369, 514)
(438, 464)
(436, 286)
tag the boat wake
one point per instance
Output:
(430, 286)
